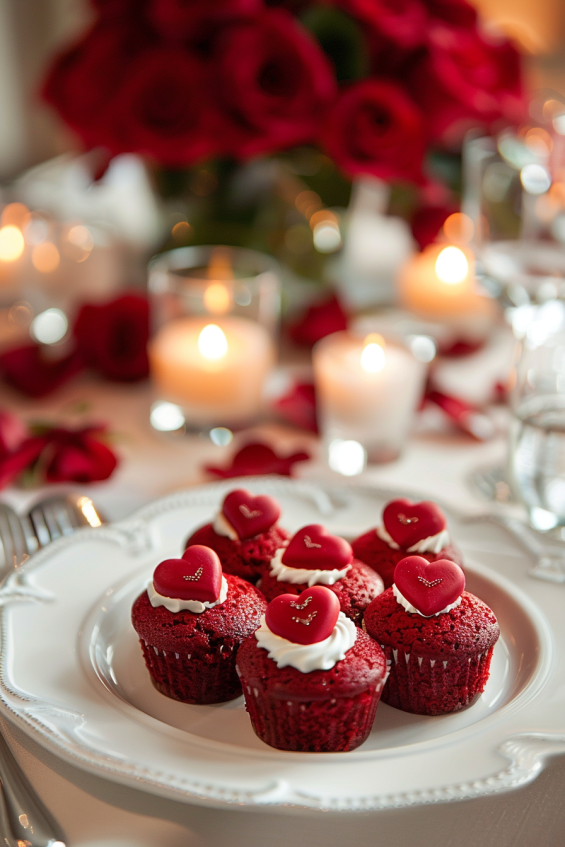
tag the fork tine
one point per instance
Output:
(51, 521)
(18, 538)
(40, 527)
(62, 514)
(6, 544)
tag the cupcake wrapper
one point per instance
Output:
(427, 686)
(316, 726)
(192, 677)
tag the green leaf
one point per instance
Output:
(341, 39)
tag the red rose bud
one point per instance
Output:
(375, 128)
(112, 337)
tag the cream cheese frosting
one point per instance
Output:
(222, 527)
(431, 544)
(400, 598)
(321, 656)
(388, 539)
(304, 576)
(174, 604)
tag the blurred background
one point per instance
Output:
(31, 31)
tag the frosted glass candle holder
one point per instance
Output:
(368, 390)
(215, 314)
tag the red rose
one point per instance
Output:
(13, 432)
(12, 465)
(66, 455)
(83, 80)
(454, 12)
(163, 108)
(484, 76)
(112, 9)
(465, 81)
(112, 337)
(374, 128)
(30, 370)
(188, 19)
(274, 82)
(402, 21)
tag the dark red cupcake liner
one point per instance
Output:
(316, 726)
(425, 685)
(198, 678)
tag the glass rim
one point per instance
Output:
(172, 262)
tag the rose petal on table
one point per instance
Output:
(257, 459)
(320, 319)
(298, 406)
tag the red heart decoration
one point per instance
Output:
(407, 522)
(250, 515)
(305, 619)
(197, 576)
(315, 549)
(429, 586)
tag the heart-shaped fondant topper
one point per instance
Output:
(197, 576)
(249, 515)
(314, 548)
(306, 619)
(429, 586)
(407, 522)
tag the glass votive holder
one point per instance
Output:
(215, 313)
(368, 390)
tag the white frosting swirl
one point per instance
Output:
(174, 604)
(304, 576)
(400, 598)
(321, 656)
(431, 544)
(388, 539)
(223, 527)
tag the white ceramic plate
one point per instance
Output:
(72, 674)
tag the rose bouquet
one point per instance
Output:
(327, 89)
(376, 84)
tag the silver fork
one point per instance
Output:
(23, 819)
(60, 515)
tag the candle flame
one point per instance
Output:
(217, 295)
(11, 243)
(212, 343)
(458, 228)
(217, 298)
(373, 356)
(220, 266)
(452, 266)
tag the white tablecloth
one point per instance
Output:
(94, 812)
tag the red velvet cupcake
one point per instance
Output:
(407, 528)
(311, 678)
(245, 534)
(314, 557)
(437, 638)
(191, 622)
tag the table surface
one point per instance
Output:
(94, 812)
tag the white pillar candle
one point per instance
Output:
(368, 391)
(214, 368)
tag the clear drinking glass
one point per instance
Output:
(537, 437)
(515, 195)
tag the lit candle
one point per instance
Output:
(213, 367)
(368, 391)
(439, 281)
